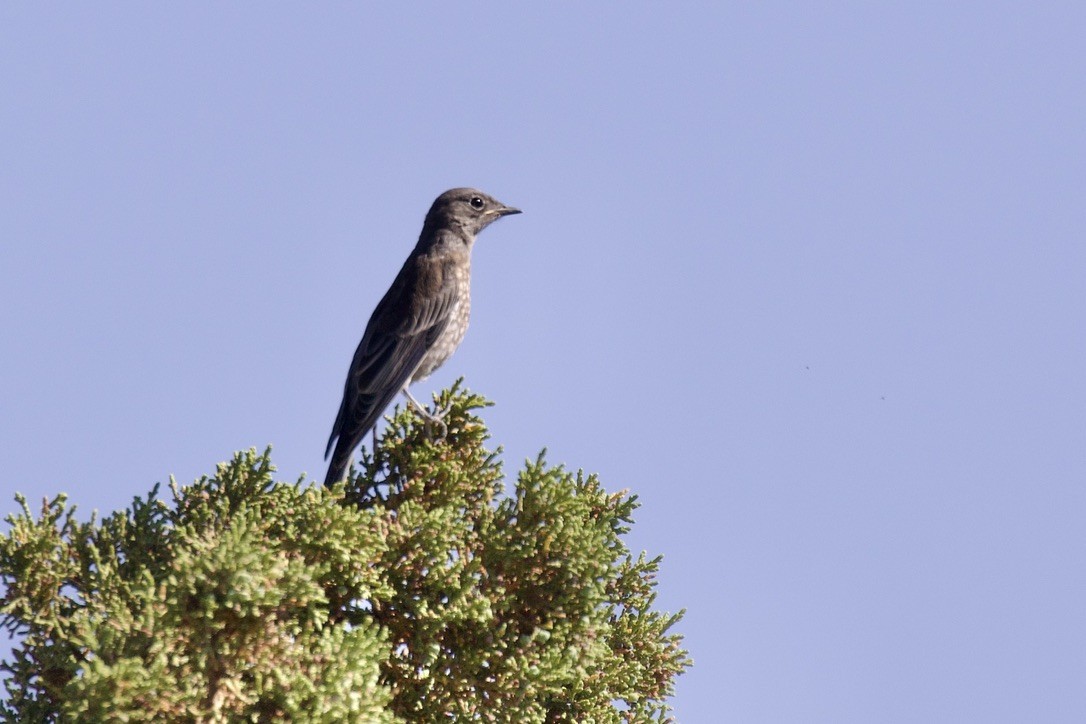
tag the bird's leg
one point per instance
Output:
(415, 403)
(431, 418)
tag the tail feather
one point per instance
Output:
(337, 469)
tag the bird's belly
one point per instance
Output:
(447, 343)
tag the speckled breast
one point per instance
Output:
(454, 332)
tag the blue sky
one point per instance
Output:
(807, 279)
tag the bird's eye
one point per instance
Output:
(476, 202)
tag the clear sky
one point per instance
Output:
(807, 278)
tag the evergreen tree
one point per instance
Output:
(416, 591)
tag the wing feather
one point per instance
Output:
(406, 323)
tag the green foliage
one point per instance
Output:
(414, 592)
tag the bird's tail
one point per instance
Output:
(337, 469)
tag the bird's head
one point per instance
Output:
(467, 209)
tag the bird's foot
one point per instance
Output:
(436, 428)
(433, 421)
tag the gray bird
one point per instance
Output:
(419, 322)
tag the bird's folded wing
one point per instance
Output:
(396, 340)
(395, 355)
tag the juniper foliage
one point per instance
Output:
(415, 592)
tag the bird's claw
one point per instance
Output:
(430, 420)
(434, 422)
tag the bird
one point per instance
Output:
(419, 322)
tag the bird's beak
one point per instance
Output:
(505, 211)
